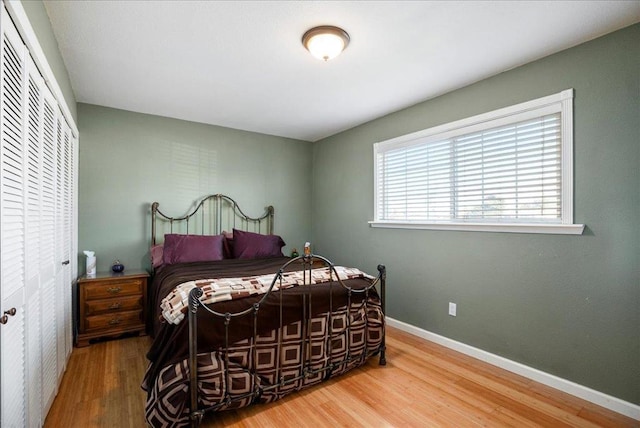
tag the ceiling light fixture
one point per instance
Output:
(325, 42)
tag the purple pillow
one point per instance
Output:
(191, 248)
(227, 244)
(248, 245)
(157, 256)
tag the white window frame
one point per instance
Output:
(561, 102)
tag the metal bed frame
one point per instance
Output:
(212, 215)
(226, 215)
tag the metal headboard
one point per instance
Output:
(212, 215)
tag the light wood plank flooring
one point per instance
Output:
(423, 385)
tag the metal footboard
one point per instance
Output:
(307, 261)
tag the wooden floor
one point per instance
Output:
(422, 385)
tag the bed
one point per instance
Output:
(256, 324)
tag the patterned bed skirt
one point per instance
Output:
(277, 363)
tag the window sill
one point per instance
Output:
(555, 229)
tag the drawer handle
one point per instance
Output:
(116, 305)
(115, 321)
(114, 290)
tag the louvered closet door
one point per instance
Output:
(12, 230)
(65, 231)
(65, 310)
(33, 230)
(48, 253)
(60, 245)
(73, 241)
(71, 268)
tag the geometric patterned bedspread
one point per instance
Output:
(280, 356)
(174, 305)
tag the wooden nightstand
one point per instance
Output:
(111, 304)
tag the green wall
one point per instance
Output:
(567, 305)
(129, 160)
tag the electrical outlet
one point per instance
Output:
(453, 308)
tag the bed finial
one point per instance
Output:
(154, 210)
(270, 222)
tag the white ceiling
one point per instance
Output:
(242, 65)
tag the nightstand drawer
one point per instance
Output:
(120, 320)
(117, 304)
(109, 289)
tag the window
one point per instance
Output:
(506, 170)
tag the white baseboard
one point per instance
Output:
(612, 403)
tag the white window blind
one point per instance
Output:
(507, 167)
